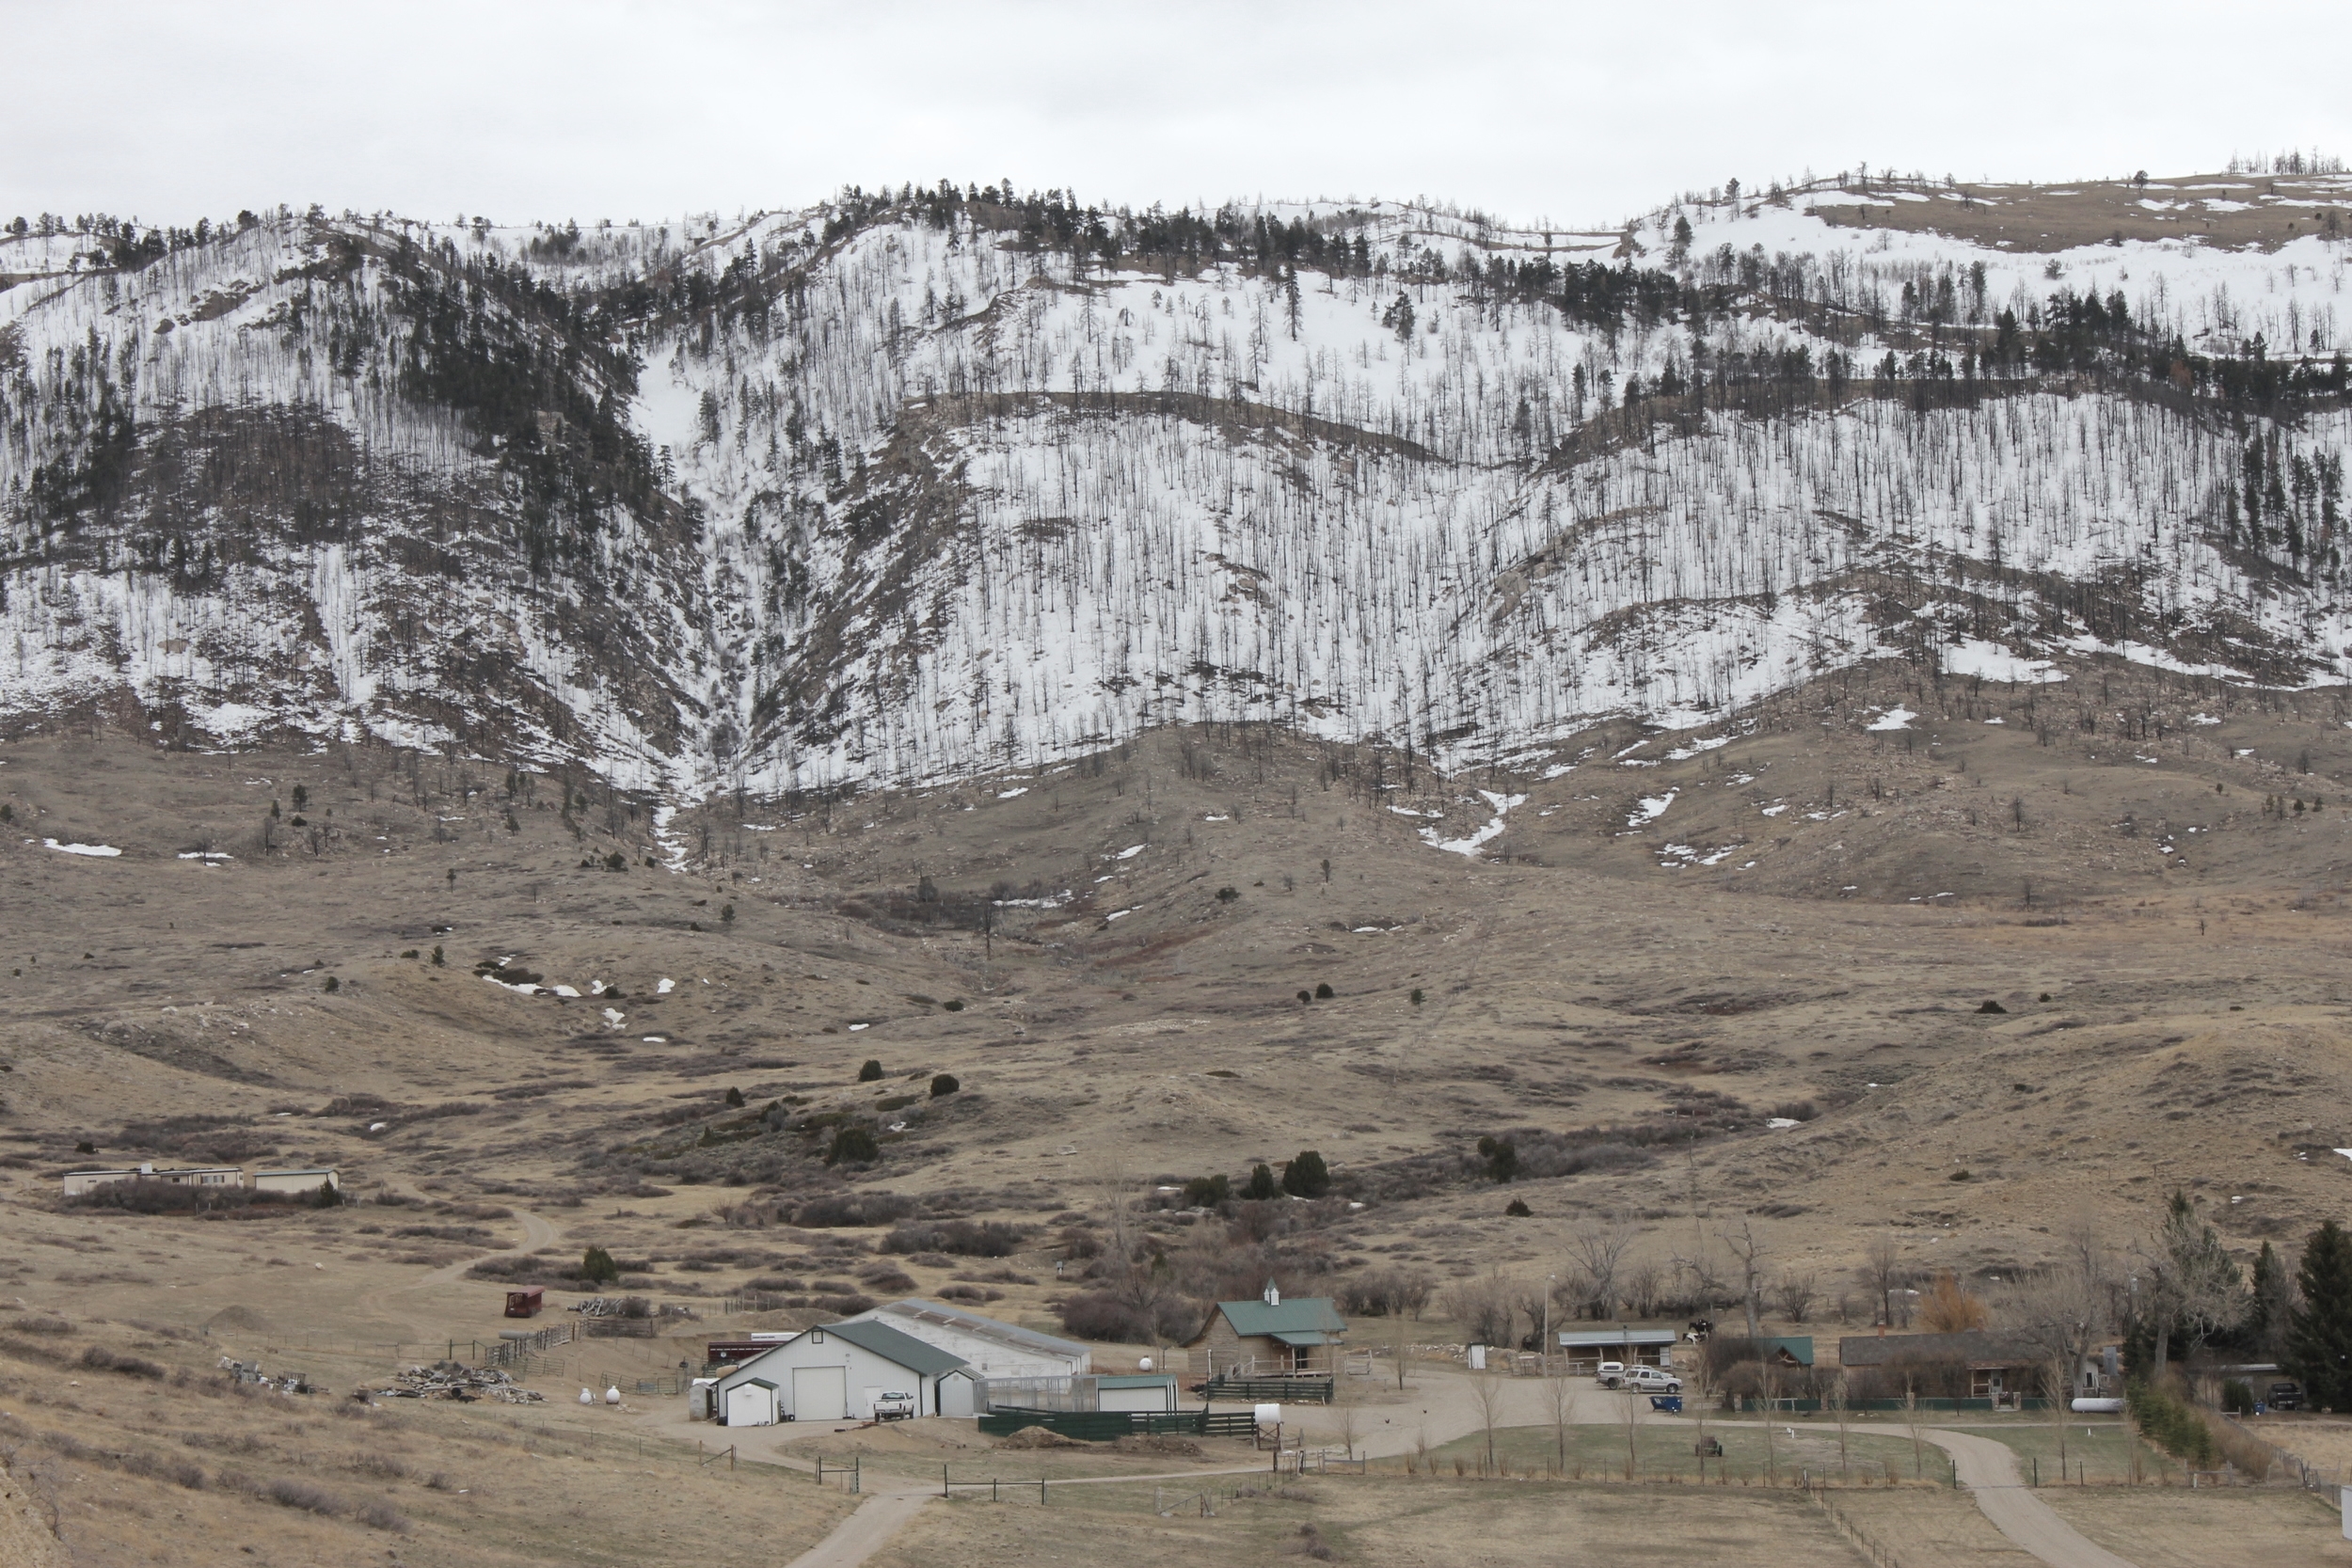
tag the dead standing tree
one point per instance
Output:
(1749, 1249)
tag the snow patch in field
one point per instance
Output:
(665, 987)
(1896, 717)
(564, 991)
(614, 1016)
(1991, 661)
(1649, 808)
(1501, 805)
(1781, 1124)
(98, 851)
(206, 855)
(1684, 754)
(1558, 768)
(1130, 852)
(1010, 794)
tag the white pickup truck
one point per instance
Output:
(894, 1406)
(1642, 1380)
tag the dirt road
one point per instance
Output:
(1988, 1470)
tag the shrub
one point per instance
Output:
(1227, 895)
(960, 1238)
(596, 1264)
(2238, 1397)
(1207, 1192)
(1260, 1185)
(1500, 1158)
(1306, 1175)
(735, 1098)
(1305, 996)
(943, 1086)
(288, 1493)
(871, 1072)
(1324, 991)
(1518, 1209)
(1416, 996)
(2171, 1422)
(726, 915)
(1992, 1007)
(333, 985)
(851, 1209)
(384, 1516)
(853, 1144)
(953, 1004)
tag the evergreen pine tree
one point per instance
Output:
(2319, 1332)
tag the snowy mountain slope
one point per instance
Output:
(917, 485)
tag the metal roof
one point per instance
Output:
(917, 1357)
(1136, 1380)
(1298, 1315)
(1975, 1347)
(1010, 1335)
(1596, 1339)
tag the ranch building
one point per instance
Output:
(836, 1372)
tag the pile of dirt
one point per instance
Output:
(1174, 1448)
(1043, 1437)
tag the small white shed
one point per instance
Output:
(1149, 1391)
(835, 1373)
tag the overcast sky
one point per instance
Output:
(1570, 112)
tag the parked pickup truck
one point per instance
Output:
(894, 1406)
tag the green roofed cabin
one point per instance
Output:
(1269, 1336)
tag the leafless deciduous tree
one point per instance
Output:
(1748, 1249)
(1487, 1391)
(1795, 1293)
(1597, 1249)
(1883, 1274)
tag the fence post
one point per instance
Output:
(942, 1480)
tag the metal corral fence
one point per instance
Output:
(1103, 1426)
(508, 1348)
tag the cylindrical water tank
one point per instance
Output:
(1269, 1414)
(2098, 1407)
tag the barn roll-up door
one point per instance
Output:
(820, 1393)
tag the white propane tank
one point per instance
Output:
(587, 1398)
(1144, 1364)
(2098, 1407)
(1269, 1414)
(612, 1395)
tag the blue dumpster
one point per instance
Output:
(1667, 1404)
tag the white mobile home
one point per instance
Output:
(296, 1180)
(831, 1373)
(80, 1181)
(991, 1348)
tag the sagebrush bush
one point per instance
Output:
(958, 1238)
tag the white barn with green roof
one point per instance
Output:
(835, 1373)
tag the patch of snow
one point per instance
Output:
(1896, 717)
(1650, 808)
(1130, 852)
(1121, 914)
(1008, 794)
(1501, 805)
(1684, 754)
(564, 991)
(612, 1017)
(1557, 768)
(1994, 662)
(99, 851)
(655, 1039)
(1776, 810)
(2209, 718)
(855, 1027)
(1781, 1124)
(665, 987)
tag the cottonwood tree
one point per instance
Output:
(2195, 1286)
(1748, 1249)
(1596, 1250)
(1883, 1274)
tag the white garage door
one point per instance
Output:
(820, 1393)
(751, 1405)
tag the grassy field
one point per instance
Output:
(1433, 1522)
(186, 1467)
(2229, 1528)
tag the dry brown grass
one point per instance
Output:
(222, 1474)
(2229, 1528)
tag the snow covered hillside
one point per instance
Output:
(930, 482)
